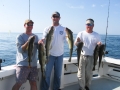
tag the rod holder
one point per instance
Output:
(1, 61)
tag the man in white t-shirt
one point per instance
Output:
(90, 40)
(56, 53)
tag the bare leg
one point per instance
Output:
(16, 86)
(33, 85)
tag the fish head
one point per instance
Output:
(69, 33)
(51, 31)
(33, 38)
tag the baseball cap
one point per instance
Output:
(28, 21)
(89, 21)
(56, 13)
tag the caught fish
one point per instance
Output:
(79, 49)
(95, 56)
(30, 49)
(42, 58)
(48, 41)
(101, 53)
(70, 41)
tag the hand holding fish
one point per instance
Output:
(30, 38)
(99, 43)
(77, 42)
(78, 39)
(41, 41)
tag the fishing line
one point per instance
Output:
(29, 9)
(107, 24)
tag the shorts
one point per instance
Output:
(24, 73)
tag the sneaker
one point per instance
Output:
(87, 88)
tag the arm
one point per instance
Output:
(44, 36)
(77, 40)
(99, 42)
(20, 44)
(24, 46)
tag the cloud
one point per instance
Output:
(93, 5)
(75, 7)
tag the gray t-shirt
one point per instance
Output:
(22, 56)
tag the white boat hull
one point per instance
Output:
(69, 77)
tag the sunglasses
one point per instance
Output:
(29, 24)
(55, 16)
(89, 24)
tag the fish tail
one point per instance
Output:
(43, 74)
(93, 68)
(29, 65)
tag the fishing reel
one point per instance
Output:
(1, 61)
(106, 52)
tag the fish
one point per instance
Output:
(101, 54)
(70, 42)
(49, 37)
(30, 49)
(79, 49)
(42, 58)
(95, 56)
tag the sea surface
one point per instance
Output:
(8, 47)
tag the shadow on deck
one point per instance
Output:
(98, 84)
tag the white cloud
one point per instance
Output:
(93, 5)
(75, 7)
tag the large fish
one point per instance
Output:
(42, 58)
(70, 41)
(79, 49)
(101, 53)
(30, 49)
(95, 56)
(49, 37)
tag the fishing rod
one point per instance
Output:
(107, 25)
(29, 9)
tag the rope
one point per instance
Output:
(107, 24)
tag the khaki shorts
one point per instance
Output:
(24, 73)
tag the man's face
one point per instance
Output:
(29, 26)
(55, 18)
(89, 27)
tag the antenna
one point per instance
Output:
(107, 24)
(29, 9)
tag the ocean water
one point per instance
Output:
(8, 47)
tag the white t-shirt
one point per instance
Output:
(90, 41)
(58, 39)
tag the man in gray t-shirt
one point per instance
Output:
(23, 71)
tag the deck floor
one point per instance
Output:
(99, 84)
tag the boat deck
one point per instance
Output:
(98, 84)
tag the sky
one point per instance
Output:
(74, 13)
